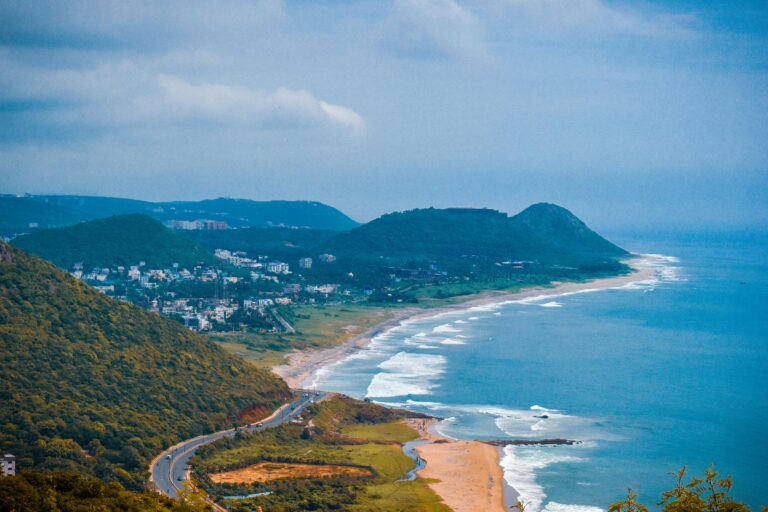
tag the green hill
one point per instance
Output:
(545, 234)
(119, 240)
(98, 386)
(16, 213)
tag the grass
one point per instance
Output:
(392, 431)
(317, 327)
(347, 432)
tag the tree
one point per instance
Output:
(629, 504)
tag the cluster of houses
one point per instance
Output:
(245, 289)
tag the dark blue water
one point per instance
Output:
(650, 377)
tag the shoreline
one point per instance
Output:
(460, 471)
(302, 365)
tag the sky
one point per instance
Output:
(634, 115)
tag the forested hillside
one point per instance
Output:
(118, 240)
(99, 386)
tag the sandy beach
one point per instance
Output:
(465, 474)
(302, 365)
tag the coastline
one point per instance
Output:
(460, 471)
(302, 365)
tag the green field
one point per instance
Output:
(342, 431)
(317, 327)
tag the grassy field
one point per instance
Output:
(343, 431)
(316, 327)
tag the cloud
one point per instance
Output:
(239, 104)
(432, 29)
(592, 18)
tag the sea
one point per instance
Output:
(648, 377)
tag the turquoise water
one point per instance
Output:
(649, 377)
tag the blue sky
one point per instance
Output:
(632, 114)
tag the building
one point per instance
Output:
(9, 465)
(198, 224)
(277, 267)
(327, 258)
(305, 263)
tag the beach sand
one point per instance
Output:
(303, 364)
(465, 474)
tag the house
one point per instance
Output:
(327, 258)
(277, 267)
(9, 465)
(305, 263)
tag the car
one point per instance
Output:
(180, 479)
(168, 457)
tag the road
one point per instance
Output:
(169, 469)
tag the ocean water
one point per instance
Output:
(655, 375)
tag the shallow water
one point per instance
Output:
(649, 377)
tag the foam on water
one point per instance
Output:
(551, 304)
(445, 328)
(520, 465)
(553, 506)
(450, 341)
(406, 374)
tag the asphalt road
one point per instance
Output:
(169, 471)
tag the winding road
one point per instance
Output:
(169, 470)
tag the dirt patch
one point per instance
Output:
(266, 471)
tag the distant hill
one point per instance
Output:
(56, 211)
(119, 240)
(278, 243)
(98, 386)
(543, 233)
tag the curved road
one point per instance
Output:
(169, 469)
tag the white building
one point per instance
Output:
(305, 263)
(9, 465)
(277, 267)
(327, 258)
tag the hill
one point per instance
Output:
(545, 234)
(59, 211)
(119, 240)
(98, 386)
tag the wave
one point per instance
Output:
(406, 374)
(449, 341)
(520, 465)
(445, 328)
(553, 506)
(551, 304)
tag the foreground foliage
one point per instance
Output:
(98, 386)
(711, 493)
(59, 491)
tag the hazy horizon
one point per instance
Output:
(631, 114)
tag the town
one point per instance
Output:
(237, 293)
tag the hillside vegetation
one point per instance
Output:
(118, 240)
(60, 491)
(99, 386)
